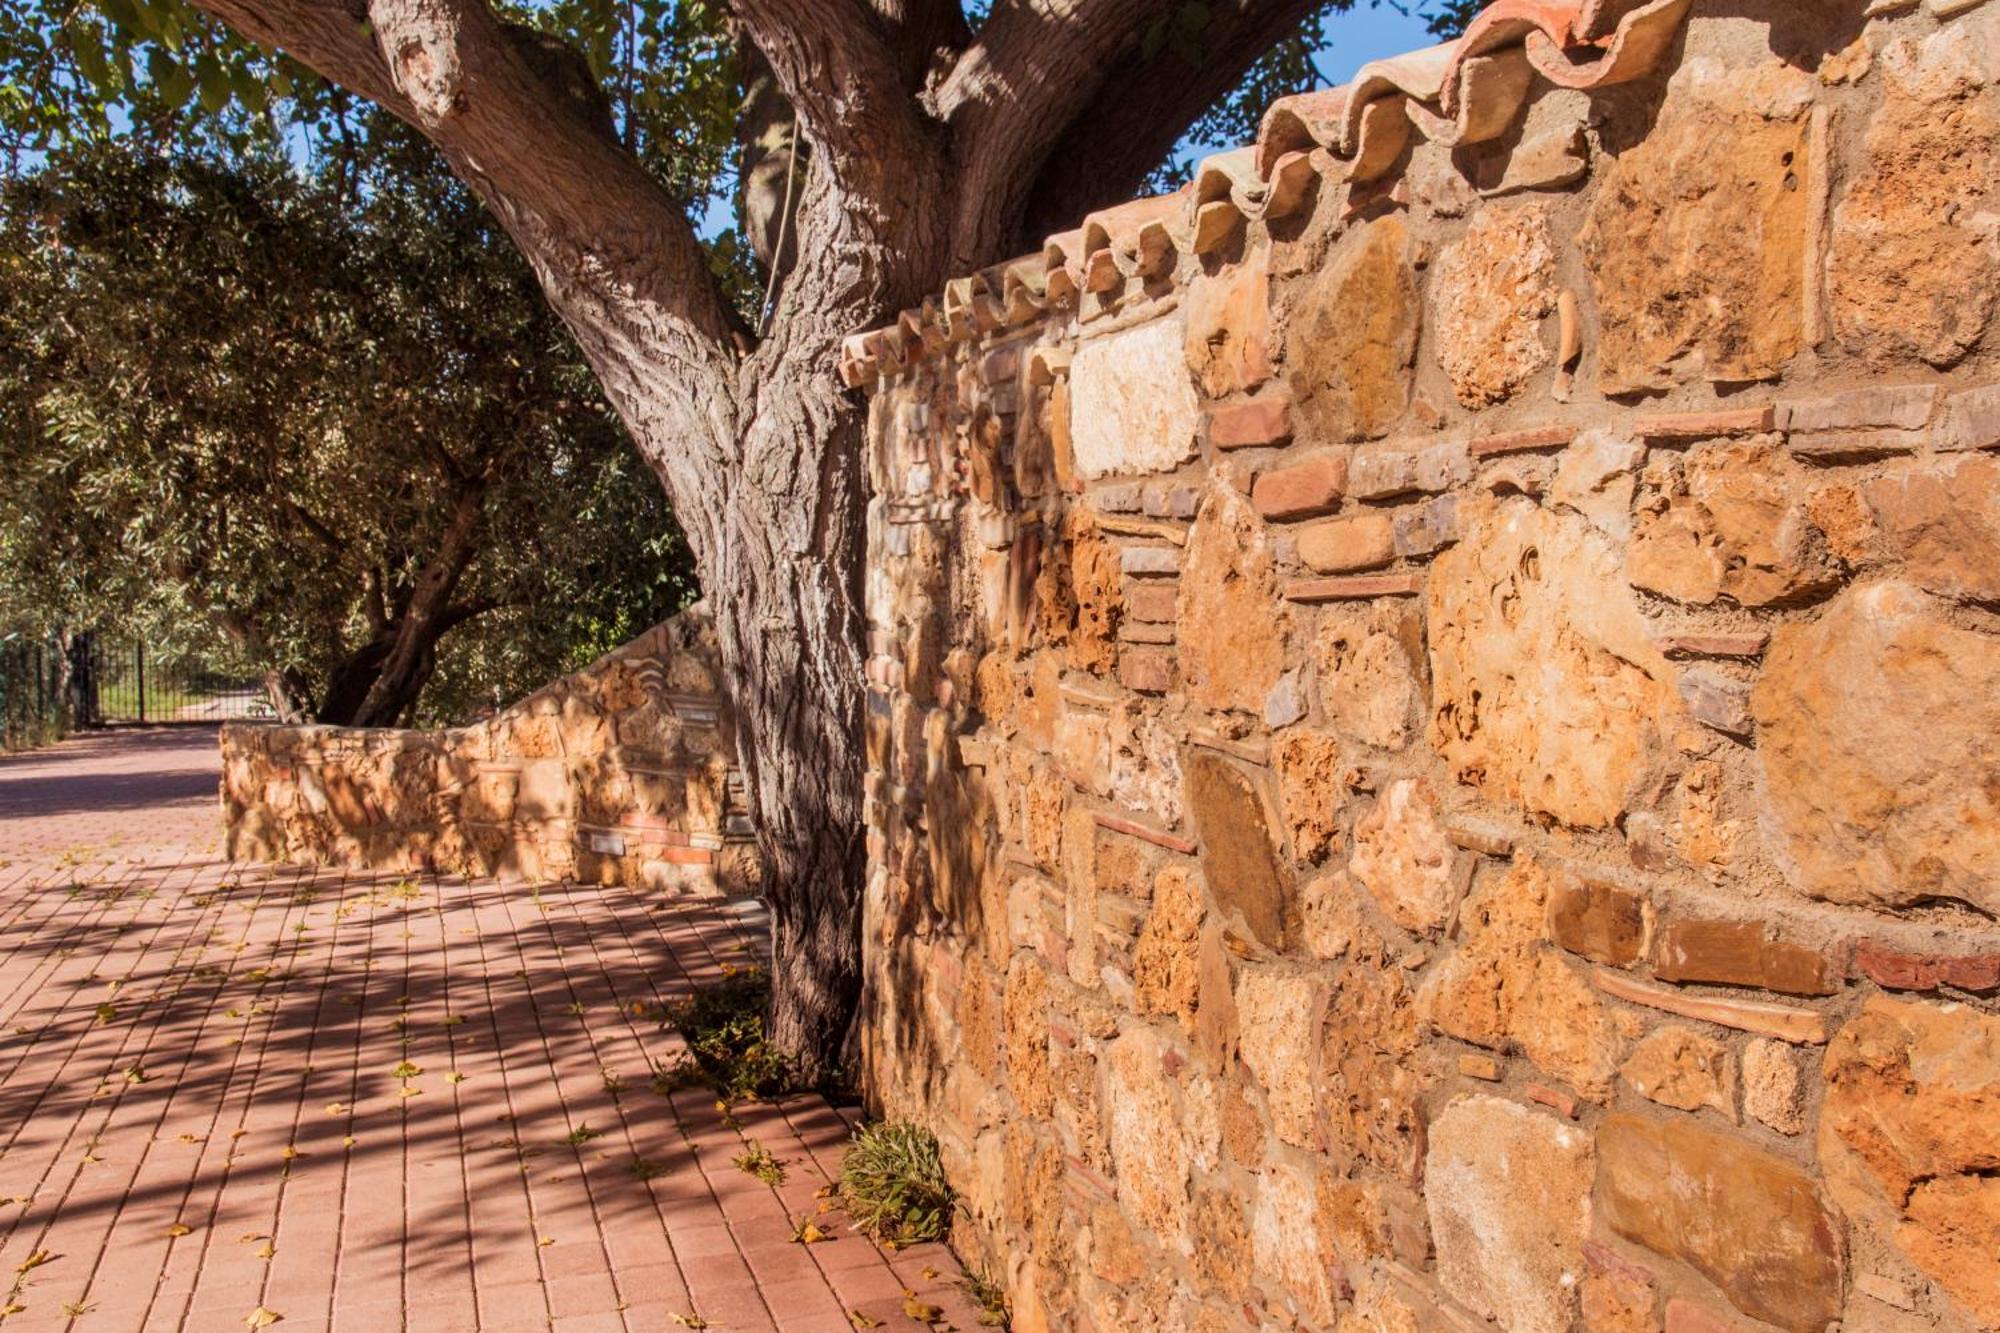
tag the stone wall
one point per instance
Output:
(1435, 700)
(621, 773)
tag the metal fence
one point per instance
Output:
(130, 682)
(34, 707)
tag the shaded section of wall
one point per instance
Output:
(621, 773)
(1432, 747)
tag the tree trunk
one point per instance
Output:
(786, 593)
(926, 148)
(349, 682)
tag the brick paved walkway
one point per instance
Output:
(367, 1103)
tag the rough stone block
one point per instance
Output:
(1132, 403)
(1906, 1141)
(1508, 1192)
(1679, 1067)
(1600, 921)
(1716, 700)
(1849, 710)
(1750, 1222)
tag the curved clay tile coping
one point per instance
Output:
(1464, 91)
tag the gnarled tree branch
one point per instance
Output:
(1121, 134)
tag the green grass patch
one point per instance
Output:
(893, 1184)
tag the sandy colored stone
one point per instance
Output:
(1701, 835)
(1149, 1146)
(1738, 526)
(1773, 1092)
(1233, 624)
(1374, 1076)
(1508, 1190)
(1907, 1142)
(1352, 335)
(1618, 1297)
(1597, 476)
(1916, 247)
(1548, 693)
(1239, 855)
(1680, 1067)
(1750, 1222)
(1215, 1001)
(1368, 680)
(1382, 1305)
(1312, 789)
(1096, 584)
(1943, 524)
(1490, 291)
(1025, 1015)
(1402, 857)
(1508, 986)
(1229, 326)
(1223, 1261)
(1116, 1255)
(1132, 405)
(1598, 920)
(1367, 1218)
(1243, 1131)
(1166, 960)
(1695, 238)
(1289, 1243)
(1329, 914)
(1875, 723)
(1278, 1013)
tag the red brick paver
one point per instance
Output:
(365, 1102)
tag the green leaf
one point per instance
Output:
(214, 83)
(170, 79)
(90, 61)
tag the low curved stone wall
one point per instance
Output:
(1435, 700)
(621, 773)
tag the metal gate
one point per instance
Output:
(32, 705)
(131, 682)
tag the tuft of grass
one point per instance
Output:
(756, 1160)
(990, 1297)
(723, 1026)
(893, 1184)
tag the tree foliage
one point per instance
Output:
(234, 396)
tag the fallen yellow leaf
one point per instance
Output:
(180, 1229)
(261, 1318)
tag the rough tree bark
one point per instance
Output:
(930, 146)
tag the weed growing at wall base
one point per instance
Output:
(894, 1185)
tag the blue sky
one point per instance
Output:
(1365, 34)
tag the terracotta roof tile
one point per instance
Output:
(1465, 91)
